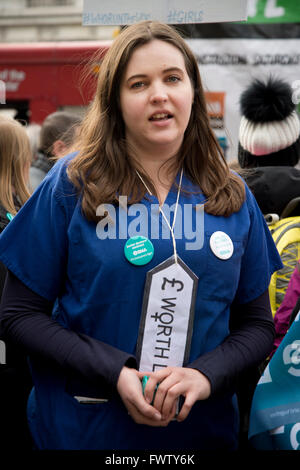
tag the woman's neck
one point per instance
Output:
(161, 175)
(157, 162)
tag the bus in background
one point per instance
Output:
(39, 78)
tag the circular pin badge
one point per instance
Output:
(221, 245)
(139, 250)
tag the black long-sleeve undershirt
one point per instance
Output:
(25, 320)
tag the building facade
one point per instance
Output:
(47, 20)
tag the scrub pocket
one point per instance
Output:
(222, 275)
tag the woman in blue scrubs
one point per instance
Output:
(75, 293)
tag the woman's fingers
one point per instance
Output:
(186, 407)
(155, 380)
(152, 389)
(145, 417)
(171, 399)
(163, 388)
(166, 395)
(130, 389)
(144, 408)
(175, 382)
(165, 379)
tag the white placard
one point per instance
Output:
(120, 12)
(167, 316)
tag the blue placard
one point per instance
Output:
(275, 412)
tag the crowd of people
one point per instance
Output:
(26, 156)
(156, 346)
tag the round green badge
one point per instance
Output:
(139, 250)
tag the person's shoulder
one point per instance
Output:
(57, 183)
(57, 175)
(61, 165)
(242, 178)
(268, 174)
(249, 201)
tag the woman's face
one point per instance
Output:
(156, 98)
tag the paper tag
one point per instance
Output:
(167, 316)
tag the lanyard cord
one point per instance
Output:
(163, 214)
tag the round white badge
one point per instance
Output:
(221, 245)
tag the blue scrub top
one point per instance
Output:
(55, 251)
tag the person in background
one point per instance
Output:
(282, 317)
(15, 378)
(14, 168)
(78, 310)
(269, 144)
(56, 136)
(268, 151)
(33, 131)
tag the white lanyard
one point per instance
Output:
(168, 309)
(163, 214)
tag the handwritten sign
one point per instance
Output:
(167, 316)
(120, 12)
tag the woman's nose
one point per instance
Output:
(158, 95)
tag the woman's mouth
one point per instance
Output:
(160, 117)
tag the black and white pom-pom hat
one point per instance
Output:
(269, 133)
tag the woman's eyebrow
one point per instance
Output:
(173, 69)
(143, 75)
(139, 75)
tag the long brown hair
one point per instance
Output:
(15, 159)
(104, 168)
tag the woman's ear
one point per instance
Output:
(59, 148)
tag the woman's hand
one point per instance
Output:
(173, 382)
(129, 387)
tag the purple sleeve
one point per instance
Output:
(25, 320)
(248, 344)
(283, 314)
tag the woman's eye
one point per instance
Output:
(173, 78)
(137, 85)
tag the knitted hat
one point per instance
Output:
(269, 132)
